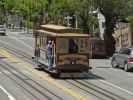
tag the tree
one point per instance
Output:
(129, 8)
(80, 9)
(31, 10)
(2, 12)
(113, 10)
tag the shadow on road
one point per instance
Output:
(131, 70)
(81, 76)
(103, 67)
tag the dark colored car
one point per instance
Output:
(2, 30)
(123, 59)
(97, 48)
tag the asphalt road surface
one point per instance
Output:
(20, 78)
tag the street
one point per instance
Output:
(21, 79)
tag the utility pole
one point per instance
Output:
(76, 21)
(121, 36)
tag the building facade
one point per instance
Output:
(14, 20)
(101, 22)
(123, 35)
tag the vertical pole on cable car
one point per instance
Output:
(54, 53)
(38, 48)
(35, 47)
(35, 41)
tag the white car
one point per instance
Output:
(2, 30)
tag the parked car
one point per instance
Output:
(123, 59)
(2, 30)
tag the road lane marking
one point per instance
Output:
(8, 55)
(53, 82)
(1, 57)
(7, 93)
(35, 72)
(12, 45)
(113, 85)
(5, 71)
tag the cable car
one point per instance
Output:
(70, 48)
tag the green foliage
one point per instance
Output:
(2, 18)
(30, 10)
(113, 10)
(129, 8)
(130, 19)
(28, 24)
(80, 8)
(61, 7)
(33, 12)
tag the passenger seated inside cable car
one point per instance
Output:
(73, 46)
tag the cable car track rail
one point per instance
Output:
(86, 84)
(27, 83)
(95, 90)
(18, 53)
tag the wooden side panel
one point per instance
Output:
(73, 59)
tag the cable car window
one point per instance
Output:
(62, 45)
(83, 45)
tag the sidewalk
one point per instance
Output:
(18, 31)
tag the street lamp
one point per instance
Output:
(68, 18)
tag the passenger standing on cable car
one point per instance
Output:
(50, 55)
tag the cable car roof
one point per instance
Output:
(60, 31)
(53, 34)
(51, 26)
